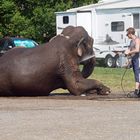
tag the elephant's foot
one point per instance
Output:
(103, 90)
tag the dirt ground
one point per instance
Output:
(112, 117)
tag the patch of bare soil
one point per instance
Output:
(111, 97)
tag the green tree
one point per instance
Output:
(7, 11)
(21, 25)
(78, 3)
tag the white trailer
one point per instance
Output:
(106, 22)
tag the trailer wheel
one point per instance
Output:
(117, 61)
(109, 61)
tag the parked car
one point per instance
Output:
(11, 42)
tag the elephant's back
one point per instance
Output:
(28, 63)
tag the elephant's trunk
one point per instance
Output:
(88, 67)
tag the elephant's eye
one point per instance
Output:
(85, 49)
(85, 45)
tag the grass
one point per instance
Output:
(111, 77)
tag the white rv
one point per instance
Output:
(106, 22)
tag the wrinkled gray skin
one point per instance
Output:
(40, 70)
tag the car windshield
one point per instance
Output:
(25, 43)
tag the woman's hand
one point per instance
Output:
(127, 52)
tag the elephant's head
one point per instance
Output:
(83, 43)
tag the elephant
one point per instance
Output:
(52, 65)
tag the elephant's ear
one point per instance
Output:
(79, 46)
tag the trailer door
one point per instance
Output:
(63, 20)
(84, 19)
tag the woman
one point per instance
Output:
(134, 51)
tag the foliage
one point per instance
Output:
(33, 18)
(83, 2)
(112, 78)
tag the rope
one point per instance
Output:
(122, 81)
(129, 64)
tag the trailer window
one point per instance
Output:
(65, 19)
(117, 26)
(136, 21)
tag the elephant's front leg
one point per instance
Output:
(88, 86)
(75, 82)
(77, 85)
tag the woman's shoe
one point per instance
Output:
(135, 94)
